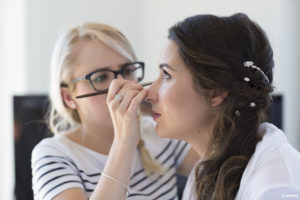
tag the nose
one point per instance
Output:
(152, 95)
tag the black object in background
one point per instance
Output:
(29, 129)
(276, 111)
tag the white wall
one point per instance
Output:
(47, 19)
(12, 80)
(290, 66)
(29, 28)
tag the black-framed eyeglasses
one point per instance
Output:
(101, 79)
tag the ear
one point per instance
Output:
(67, 98)
(218, 96)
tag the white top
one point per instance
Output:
(273, 172)
(59, 164)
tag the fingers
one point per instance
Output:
(128, 87)
(121, 86)
(128, 90)
(127, 100)
(124, 111)
(137, 100)
(114, 88)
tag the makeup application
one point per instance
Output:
(105, 91)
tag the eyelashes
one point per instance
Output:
(166, 75)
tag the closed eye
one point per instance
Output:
(166, 75)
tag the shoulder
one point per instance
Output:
(275, 155)
(53, 151)
(49, 146)
(53, 171)
(274, 147)
(274, 164)
(49, 151)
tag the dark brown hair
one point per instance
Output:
(215, 49)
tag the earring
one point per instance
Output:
(73, 105)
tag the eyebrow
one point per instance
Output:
(166, 65)
(104, 68)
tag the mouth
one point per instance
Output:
(155, 115)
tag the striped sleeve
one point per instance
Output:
(52, 172)
(181, 148)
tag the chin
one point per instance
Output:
(159, 132)
(164, 134)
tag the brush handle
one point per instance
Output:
(105, 91)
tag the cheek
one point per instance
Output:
(172, 99)
(99, 103)
(94, 107)
(174, 112)
(165, 99)
(184, 112)
(83, 88)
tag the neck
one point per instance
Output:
(200, 145)
(200, 141)
(93, 138)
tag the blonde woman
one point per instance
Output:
(71, 165)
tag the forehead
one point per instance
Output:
(92, 55)
(169, 52)
(170, 55)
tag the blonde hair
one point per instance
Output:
(60, 117)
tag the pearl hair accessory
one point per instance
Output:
(252, 105)
(251, 64)
(246, 79)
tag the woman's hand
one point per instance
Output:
(124, 111)
(124, 114)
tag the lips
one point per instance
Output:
(155, 115)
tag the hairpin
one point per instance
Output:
(252, 104)
(246, 79)
(251, 64)
(237, 113)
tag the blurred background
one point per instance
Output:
(29, 29)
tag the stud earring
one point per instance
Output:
(73, 105)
